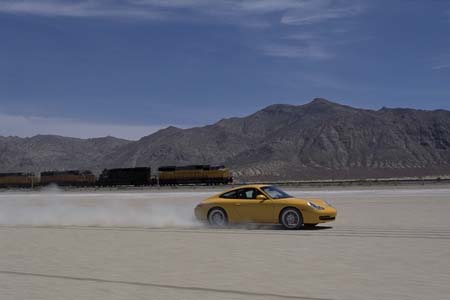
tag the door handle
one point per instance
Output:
(238, 204)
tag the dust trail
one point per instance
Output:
(54, 207)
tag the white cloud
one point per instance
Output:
(441, 66)
(322, 10)
(441, 62)
(26, 126)
(289, 51)
(295, 12)
(311, 44)
(86, 8)
(267, 6)
(286, 14)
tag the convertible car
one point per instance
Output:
(263, 204)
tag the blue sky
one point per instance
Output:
(128, 67)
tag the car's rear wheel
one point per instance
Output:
(217, 217)
(291, 218)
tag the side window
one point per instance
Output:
(230, 195)
(248, 193)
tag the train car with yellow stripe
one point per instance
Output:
(68, 178)
(17, 180)
(194, 174)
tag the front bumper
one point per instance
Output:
(320, 216)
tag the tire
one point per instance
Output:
(291, 218)
(217, 217)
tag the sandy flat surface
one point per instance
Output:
(386, 244)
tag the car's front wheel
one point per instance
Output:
(217, 217)
(291, 218)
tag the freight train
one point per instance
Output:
(140, 176)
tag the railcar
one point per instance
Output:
(17, 180)
(125, 176)
(194, 174)
(68, 178)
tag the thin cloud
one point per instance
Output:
(441, 66)
(294, 12)
(288, 51)
(258, 14)
(322, 10)
(27, 126)
(306, 44)
(92, 8)
(441, 62)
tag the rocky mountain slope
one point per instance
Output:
(51, 152)
(320, 139)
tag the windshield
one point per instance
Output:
(275, 193)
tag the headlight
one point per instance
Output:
(315, 206)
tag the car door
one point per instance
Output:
(251, 209)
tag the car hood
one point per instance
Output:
(317, 201)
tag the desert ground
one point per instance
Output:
(387, 243)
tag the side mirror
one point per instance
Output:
(261, 197)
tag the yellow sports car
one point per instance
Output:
(263, 204)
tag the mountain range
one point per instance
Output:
(317, 140)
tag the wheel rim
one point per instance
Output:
(217, 217)
(291, 219)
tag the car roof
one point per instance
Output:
(249, 186)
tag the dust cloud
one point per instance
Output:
(162, 208)
(54, 207)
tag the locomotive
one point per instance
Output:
(125, 176)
